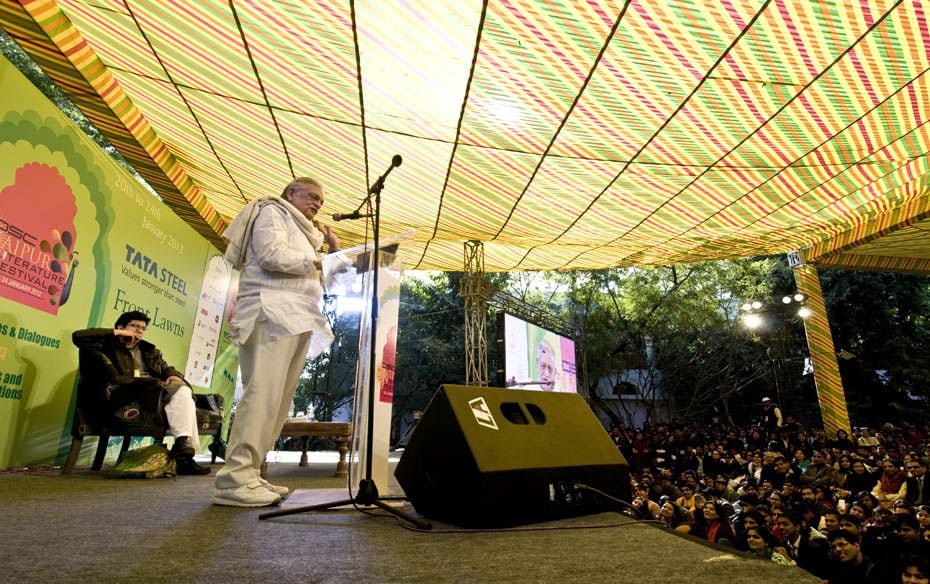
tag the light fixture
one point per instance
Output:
(799, 297)
(756, 304)
(746, 307)
(804, 312)
(752, 321)
(786, 299)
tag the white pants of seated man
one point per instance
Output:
(270, 370)
(181, 412)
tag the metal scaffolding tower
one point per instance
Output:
(476, 292)
(479, 296)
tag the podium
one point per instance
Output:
(351, 281)
(352, 277)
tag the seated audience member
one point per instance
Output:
(806, 494)
(755, 518)
(768, 473)
(645, 508)
(902, 507)
(860, 478)
(783, 472)
(918, 483)
(829, 521)
(866, 439)
(915, 570)
(824, 498)
(849, 564)
(778, 498)
(776, 512)
(818, 473)
(803, 544)
(754, 468)
(852, 524)
(689, 499)
(791, 491)
(672, 515)
(134, 358)
(666, 487)
(923, 516)
(760, 542)
(905, 543)
(810, 513)
(841, 469)
(869, 502)
(877, 535)
(756, 440)
(713, 524)
(714, 463)
(861, 512)
(766, 488)
(891, 484)
(722, 489)
(801, 461)
(842, 441)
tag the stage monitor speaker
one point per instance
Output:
(489, 457)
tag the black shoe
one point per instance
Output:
(188, 466)
(218, 449)
(182, 448)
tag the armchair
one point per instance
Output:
(135, 409)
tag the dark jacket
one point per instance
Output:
(817, 475)
(106, 363)
(915, 497)
(104, 341)
(813, 554)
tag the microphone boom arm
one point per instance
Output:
(396, 161)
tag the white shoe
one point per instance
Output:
(276, 489)
(251, 495)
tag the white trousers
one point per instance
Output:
(270, 370)
(181, 412)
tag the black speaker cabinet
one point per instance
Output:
(489, 457)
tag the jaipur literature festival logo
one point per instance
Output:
(37, 238)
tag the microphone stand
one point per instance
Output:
(367, 495)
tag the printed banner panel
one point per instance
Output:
(81, 241)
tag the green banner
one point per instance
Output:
(81, 241)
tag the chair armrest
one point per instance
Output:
(96, 373)
(209, 401)
(94, 365)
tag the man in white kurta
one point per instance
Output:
(277, 324)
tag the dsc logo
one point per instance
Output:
(482, 413)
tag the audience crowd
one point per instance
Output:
(847, 508)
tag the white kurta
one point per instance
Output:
(278, 317)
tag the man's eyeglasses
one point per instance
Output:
(310, 195)
(138, 327)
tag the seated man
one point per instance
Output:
(132, 358)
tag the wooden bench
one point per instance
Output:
(339, 431)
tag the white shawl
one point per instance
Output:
(239, 232)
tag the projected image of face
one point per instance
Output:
(545, 365)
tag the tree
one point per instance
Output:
(431, 343)
(675, 327)
(880, 321)
(328, 382)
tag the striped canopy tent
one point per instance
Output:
(565, 134)
(562, 134)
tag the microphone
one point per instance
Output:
(349, 216)
(396, 161)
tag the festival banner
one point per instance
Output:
(82, 241)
